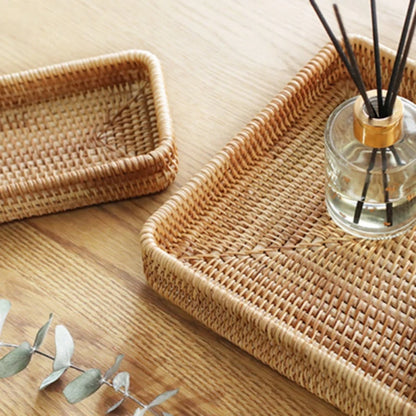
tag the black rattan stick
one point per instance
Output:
(397, 81)
(357, 78)
(389, 205)
(397, 60)
(360, 203)
(377, 57)
(342, 55)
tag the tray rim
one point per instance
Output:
(149, 163)
(214, 290)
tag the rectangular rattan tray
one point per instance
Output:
(248, 248)
(82, 133)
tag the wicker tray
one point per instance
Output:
(248, 248)
(82, 133)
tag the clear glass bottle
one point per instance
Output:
(371, 169)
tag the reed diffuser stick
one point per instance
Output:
(396, 82)
(353, 62)
(360, 203)
(389, 206)
(396, 156)
(377, 58)
(397, 60)
(344, 58)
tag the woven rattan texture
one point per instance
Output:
(248, 248)
(82, 133)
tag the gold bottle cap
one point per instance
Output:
(377, 132)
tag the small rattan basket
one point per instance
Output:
(248, 248)
(82, 133)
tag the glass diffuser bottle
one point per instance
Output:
(371, 168)
(370, 144)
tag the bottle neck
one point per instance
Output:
(377, 132)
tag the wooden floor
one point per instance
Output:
(222, 61)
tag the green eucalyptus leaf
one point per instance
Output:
(122, 380)
(111, 371)
(40, 336)
(115, 406)
(83, 386)
(64, 348)
(141, 411)
(4, 310)
(16, 360)
(156, 402)
(52, 378)
(163, 397)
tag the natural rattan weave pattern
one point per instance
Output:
(248, 248)
(82, 133)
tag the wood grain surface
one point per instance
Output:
(222, 61)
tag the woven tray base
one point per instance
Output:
(82, 133)
(248, 248)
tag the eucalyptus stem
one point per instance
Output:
(129, 396)
(42, 353)
(81, 370)
(8, 345)
(83, 386)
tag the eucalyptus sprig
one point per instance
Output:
(87, 383)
